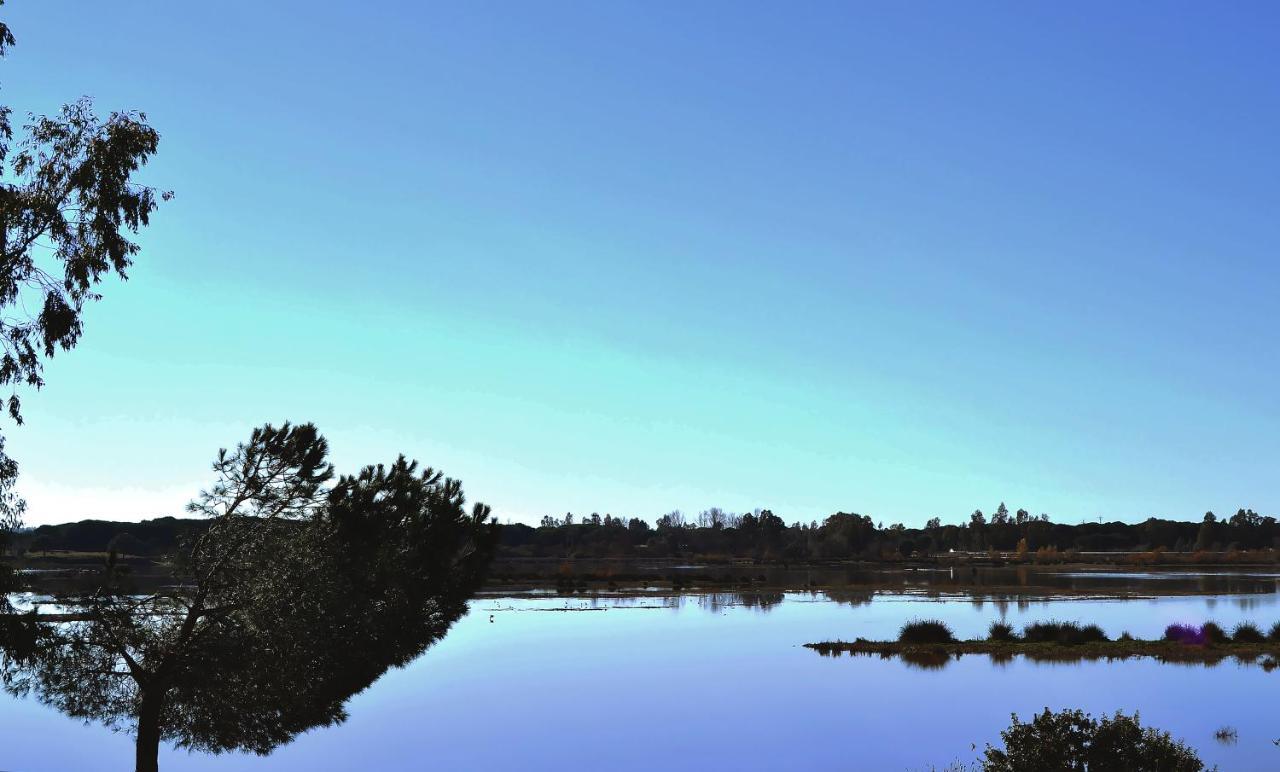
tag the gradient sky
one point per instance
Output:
(904, 259)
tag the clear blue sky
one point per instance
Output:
(904, 259)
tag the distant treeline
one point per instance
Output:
(762, 534)
(758, 535)
(148, 537)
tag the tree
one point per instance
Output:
(294, 598)
(67, 201)
(1204, 538)
(1073, 741)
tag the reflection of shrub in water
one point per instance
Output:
(926, 660)
(1226, 735)
(926, 631)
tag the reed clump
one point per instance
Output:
(926, 631)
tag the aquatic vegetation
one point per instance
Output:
(1190, 635)
(926, 631)
(1247, 632)
(1226, 735)
(1213, 633)
(1069, 633)
(1001, 631)
(1068, 642)
(1274, 633)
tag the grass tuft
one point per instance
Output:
(1069, 633)
(1001, 631)
(1247, 632)
(925, 631)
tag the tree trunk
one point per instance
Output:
(147, 749)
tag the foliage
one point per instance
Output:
(67, 203)
(1213, 633)
(1069, 633)
(1071, 741)
(1247, 632)
(1001, 631)
(925, 631)
(295, 597)
(1274, 633)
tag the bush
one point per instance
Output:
(1125, 637)
(1068, 633)
(1274, 634)
(925, 631)
(1213, 633)
(1073, 740)
(1247, 632)
(1001, 631)
(1188, 634)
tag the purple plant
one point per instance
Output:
(1185, 634)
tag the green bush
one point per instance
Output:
(1072, 740)
(925, 631)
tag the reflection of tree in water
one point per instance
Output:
(853, 598)
(716, 602)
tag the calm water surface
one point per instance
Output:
(722, 682)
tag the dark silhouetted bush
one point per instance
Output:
(1001, 631)
(925, 631)
(1274, 633)
(1069, 633)
(1247, 632)
(1213, 633)
(1073, 740)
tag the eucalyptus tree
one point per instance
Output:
(301, 592)
(68, 203)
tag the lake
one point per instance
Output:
(700, 681)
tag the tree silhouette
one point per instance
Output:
(66, 203)
(296, 597)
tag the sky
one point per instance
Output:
(906, 260)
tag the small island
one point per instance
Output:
(931, 644)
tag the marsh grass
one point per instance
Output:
(1068, 633)
(1001, 631)
(926, 631)
(1247, 632)
(1213, 633)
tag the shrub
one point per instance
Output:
(1069, 633)
(1247, 632)
(1188, 634)
(1274, 634)
(1213, 633)
(1001, 631)
(925, 631)
(1075, 740)
(1125, 637)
